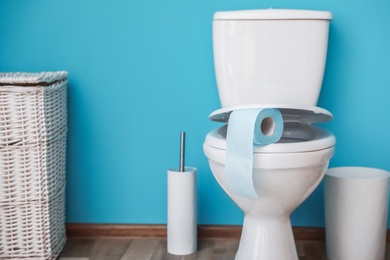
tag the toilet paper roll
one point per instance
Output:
(246, 127)
(182, 223)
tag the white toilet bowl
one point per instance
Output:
(284, 175)
(272, 59)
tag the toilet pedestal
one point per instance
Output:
(267, 238)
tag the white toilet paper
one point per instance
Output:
(260, 126)
(182, 223)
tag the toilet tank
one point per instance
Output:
(270, 56)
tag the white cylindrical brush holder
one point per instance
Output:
(182, 222)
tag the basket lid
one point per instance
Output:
(32, 78)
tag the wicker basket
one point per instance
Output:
(33, 126)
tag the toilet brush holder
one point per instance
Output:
(182, 222)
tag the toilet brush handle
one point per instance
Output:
(182, 146)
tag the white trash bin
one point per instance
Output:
(356, 209)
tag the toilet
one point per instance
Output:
(272, 58)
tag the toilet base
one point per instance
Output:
(267, 238)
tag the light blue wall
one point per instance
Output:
(142, 71)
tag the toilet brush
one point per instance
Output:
(181, 224)
(182, 151)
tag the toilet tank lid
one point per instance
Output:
(291, 113)
(273, 14)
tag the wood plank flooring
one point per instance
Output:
(156, 249)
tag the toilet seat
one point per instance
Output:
(291, 112)
(296, 138)
(298, 134)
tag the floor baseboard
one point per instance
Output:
(160, 231)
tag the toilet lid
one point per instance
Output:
(270, 14)
(291, 113)
(296, 138)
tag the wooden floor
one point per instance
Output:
(156, 249)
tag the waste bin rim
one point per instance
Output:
(357, 173)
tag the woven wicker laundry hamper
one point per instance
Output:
(33, 126)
